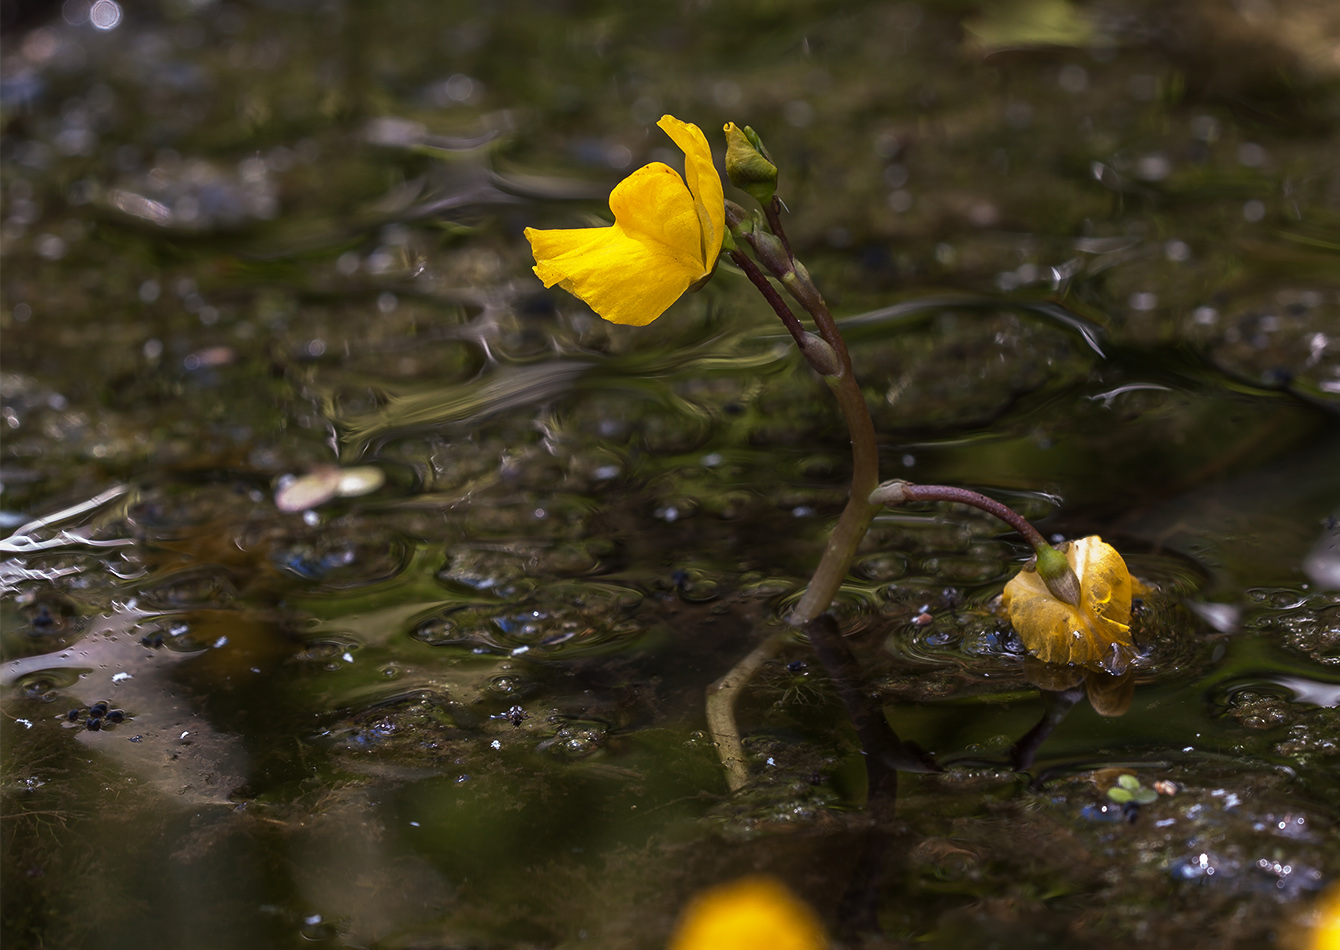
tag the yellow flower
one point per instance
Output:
(753, 913)
(1325, 929)
(1096, 634)
(665, 238)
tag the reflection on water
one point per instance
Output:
(1086, 259)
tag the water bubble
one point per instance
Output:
(461, 88)
(1177, 251)
(328, 652)
(50, 246)
(1205, 128)
(192, 587)
(1073, 78)
(576, 739)
(105, 15)
(727, 94)
(1155, 167)
(75, 12)
(337, 562)
(506, 684)
(1251, 155)
(798, 113)
(697, 586)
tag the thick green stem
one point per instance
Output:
(856, 516)
(774, 253)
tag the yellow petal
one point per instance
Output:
(1096, 634)
(754, 913)
(653, 205)
(709, 197)
(1110, 695)
(632, 271)
(666, 237)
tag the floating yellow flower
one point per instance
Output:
(665, 238)
(1096, 633)
(753, 913)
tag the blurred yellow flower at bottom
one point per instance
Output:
(753, 913)
(1325, 929)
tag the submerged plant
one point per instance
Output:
(1129, 789)
(1070, 605)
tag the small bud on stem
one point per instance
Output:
(820, 355)
(748, 166)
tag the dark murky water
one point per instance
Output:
(244, 242)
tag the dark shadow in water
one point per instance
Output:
(885, 754)
(1062, 687)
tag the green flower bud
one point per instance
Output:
(1055, 570)
(747, 164)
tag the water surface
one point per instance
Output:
(1087, 261)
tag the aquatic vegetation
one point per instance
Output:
(754, 913)
(664, 241)
(466, 708)
(1129, 789)
(1070, 605)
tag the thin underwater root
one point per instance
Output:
(721, 699)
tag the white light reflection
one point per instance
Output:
(141, 207)
(105, 15)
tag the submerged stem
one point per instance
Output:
(774, 252)
(721, 697)
(856, 516)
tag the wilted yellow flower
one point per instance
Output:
(753, 913)
(1095, 634)
(665, 238)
